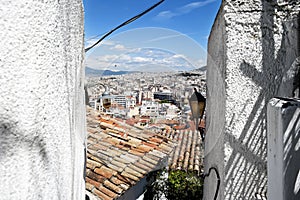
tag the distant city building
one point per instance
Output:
(172, 112)
(120, 99)
(147, 94)
(132, 112)
(149, 108)
(163, 96)
(130, 102)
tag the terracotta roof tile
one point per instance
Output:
(128, 175)
(134, 140)
(144, 148)
(157, 154)
(154, 157)
(150, 144)
(117, 181)
(114, 167)
(101, 194)
(187, 154)
(91, 130)
(113, 152)
(99, 146)
(90, 156)
(104, 171)
(149, 160)
(129, 157)
(116, 134)
(112, 186)
(92, 140)
(119, 155)
(108, 192)
(102, 156)
(127, 144)
(135, 152)
(142, 166)
(138, 169)
(92, 182)
(94, 137)
(166, 149)
(122, 160)
(133, 172)
(93, 164)
(124, 186)
(89, 166)
(103, 143)
(156, 140)
(125, 179)
(91, 147)
(144, 162)
(119, 164)
(112, 140)
(90, 174)
(122, 147)
(89, 186)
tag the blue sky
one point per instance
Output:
(173, 36)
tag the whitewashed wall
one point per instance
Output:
(42, 116)
(252, 57)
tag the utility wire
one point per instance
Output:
(91, 38)
(123, 24)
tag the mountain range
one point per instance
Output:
(90, 72)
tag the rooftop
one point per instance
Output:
(119, 155)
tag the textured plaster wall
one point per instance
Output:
(215, 108)
(253, 56)
(42, 112)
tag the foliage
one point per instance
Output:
(177, 185)
(164, 101)
(183, 185)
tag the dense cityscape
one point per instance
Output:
(150, 97)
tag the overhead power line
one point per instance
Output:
(123, 24)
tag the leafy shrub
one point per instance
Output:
(176, 185)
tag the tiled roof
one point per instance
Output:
(119, 155)
(187, 154)
(167, 121)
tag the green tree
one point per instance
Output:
(176, 185)
(184, 186)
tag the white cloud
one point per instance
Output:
(144, 59)
(165, 37)
(179, 56)
(183, 10)
(166, 14)
(92, 41)
(200, 63)
(191, 6)
(118, 47)
(108, 42)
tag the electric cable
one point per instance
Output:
(123, 24)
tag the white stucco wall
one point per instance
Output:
(252, 57)
(215, 107)
(42, 113)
